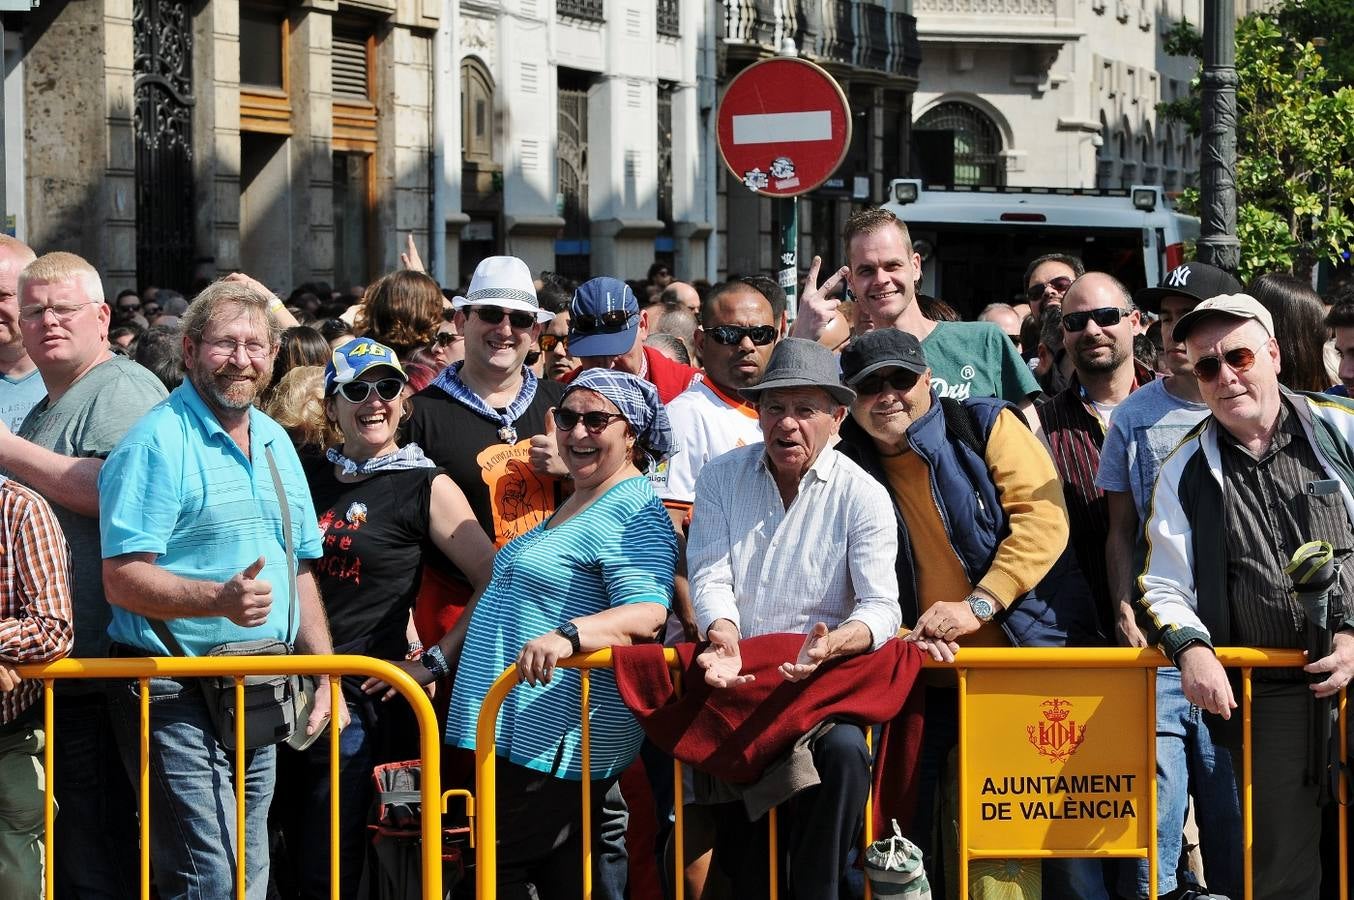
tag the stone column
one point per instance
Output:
(216, 131)
(312, 160)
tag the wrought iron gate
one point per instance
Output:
(163, 66)
(572, 250)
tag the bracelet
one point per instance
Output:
(435, 661)
(414, 650)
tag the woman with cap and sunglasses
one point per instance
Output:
(597, 573)
(381, 508)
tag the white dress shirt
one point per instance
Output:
(828, 558)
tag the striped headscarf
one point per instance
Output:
(637, 400)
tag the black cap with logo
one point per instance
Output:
(1192, 279)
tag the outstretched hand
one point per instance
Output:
(817, 307)
(723, 659)
(812, 653)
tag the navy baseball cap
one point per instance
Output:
(603, 318)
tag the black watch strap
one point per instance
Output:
(569, 631)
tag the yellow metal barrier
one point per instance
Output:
(1053, 660)
(332, 667)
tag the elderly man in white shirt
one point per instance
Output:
(791, 536)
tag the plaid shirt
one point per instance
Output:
(35, 590)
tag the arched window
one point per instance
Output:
(477, 112)
(977, 142)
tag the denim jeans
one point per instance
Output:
(94, 847)
(192, 793)
(1188, 763)
(613, 858)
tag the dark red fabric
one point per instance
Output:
(667, 375)
(734, 734)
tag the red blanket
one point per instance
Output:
(735, 733)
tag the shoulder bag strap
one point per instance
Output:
(293, 624)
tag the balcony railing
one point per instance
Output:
(669, 18)
(587, 10)
(856, 33)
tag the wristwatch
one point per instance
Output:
(983, 608)
(569, 631)
(435, 661)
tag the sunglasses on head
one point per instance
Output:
(732, 335)
(900, 380)
(445, 338)
(594, 422)
(492, 315)
(1059, 284)
(1238, 359)
(1105, 317)
(615, 319)
(358, 391)
(548, 343)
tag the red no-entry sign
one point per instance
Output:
(784, 126)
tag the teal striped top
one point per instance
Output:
(619, 550)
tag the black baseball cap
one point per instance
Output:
(1192, 279)
(880, 349)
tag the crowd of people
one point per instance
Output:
(526, 469)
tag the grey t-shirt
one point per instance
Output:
(18, 395)
(1146, 427)
(88, 421)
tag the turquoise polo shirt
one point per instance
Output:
(178, 487)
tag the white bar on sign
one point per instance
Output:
(781, 128)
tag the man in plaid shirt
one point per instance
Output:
(35, 626)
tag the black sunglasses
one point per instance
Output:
(1238, 359)
(548, 343)
(901, 381)
(446, 338)
(594, 422)
(1105, 317)
(1059, 284)
(492, 315)
(731, 335)
(616, 318)
(358, 391)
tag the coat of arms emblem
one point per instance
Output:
(1058, 736)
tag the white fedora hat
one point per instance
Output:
(503, 281)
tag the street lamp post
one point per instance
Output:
(1218, 244)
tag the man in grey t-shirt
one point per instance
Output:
(93, 398)
(20, 382)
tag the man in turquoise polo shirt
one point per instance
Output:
(192, 532)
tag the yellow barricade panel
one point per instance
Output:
(1056, 761)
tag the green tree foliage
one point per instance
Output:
(1295, 143)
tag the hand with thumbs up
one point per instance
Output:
(245, 600)
(544, 452)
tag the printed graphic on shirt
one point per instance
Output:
(519, 497)
(337, 534)
(961, 389)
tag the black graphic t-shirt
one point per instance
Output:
(375, 534)
(509, 499)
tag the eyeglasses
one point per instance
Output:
(358, 391)
(492, 315)
(446, 338)
(594, 422)
(64, 312)
(1105, 317)
(1059, 284)
(129, 307)
(228, 346)
(548, 343)
(616, 318)
(732, 335)
(1238, 359)
(901, 381)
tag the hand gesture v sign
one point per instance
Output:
(816, 304)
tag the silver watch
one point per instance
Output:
(983, 608)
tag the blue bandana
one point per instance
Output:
(450, 381)
(637, 400)
(410, 456)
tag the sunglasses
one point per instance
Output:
(732, 335)
(1059, 284)
(548, 343)
(358, 391)
(1238, 359)
(446, 338)
(901, 381)
(492, 315)
(1105, 317)
(594, 422)
(615, 319)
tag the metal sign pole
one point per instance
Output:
(788, 217)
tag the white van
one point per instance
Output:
(976, 242)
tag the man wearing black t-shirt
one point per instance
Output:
(477, 419)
